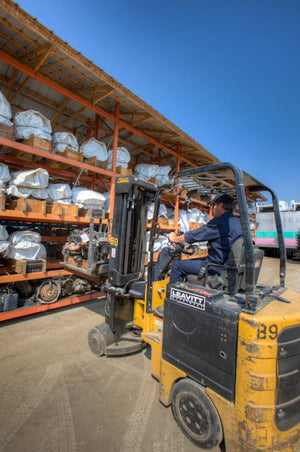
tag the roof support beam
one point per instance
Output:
(55, 86)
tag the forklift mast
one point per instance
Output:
(129, 231)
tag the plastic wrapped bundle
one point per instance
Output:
(88, 199)
(145, 171)
(26, 250)
(25, 245)
(163, 175)
(4, 178)
(3, 233)
(123, 158)
(5, 111)
(107, 201)
(160, 173)
(196, 216)
(4, 245)
(24, 192)
(58, 192)
(162, 211)
(94, 148)
(62, 140)
(37, 178)
(28, 236)
(29, 183)
(32, 122)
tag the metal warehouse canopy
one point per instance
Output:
(39, 71)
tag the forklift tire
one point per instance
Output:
(97, 342)
(196, 415)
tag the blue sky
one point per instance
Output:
(226, 72)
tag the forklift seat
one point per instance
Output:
(232, 277)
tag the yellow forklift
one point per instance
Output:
(225, 350)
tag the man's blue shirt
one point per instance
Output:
(220, 233)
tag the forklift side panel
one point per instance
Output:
(200, 336)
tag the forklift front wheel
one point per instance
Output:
(196, 415)
(97, 342)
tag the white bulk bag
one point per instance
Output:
(26, 250)
(5, 111)
(123, 157)
(162, 211)
(107, 201)
(94, 148)
(4, 173)
(4, 245)
(32, 122)
(28, 236)
(196, 216)
(183, 220)
(3, 233)
(163, 175)
(59, 191)
(146, 171)
(87, 198)
(37, 178)
(61, 140)
(25, 192)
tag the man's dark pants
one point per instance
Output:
(189, 267)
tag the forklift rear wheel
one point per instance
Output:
(196, 415)
(97, 342)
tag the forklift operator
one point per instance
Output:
(220, 232)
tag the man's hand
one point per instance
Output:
(173, 237)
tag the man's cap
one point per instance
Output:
(225, 198)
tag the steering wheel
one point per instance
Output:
(182, 248)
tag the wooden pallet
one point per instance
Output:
(37, 142)
(123, 171)
(24, 266)
(23, 155)
(88, 213)
(7, 131)
(28, 205)
(70, 154)
(94, 162)
(2, 202)
(199, 252)
(163, 221)
(71, 261)
(63, 209)
(194, 225)
(171, 222)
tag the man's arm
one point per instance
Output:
(176, 238)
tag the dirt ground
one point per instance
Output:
(57, 396)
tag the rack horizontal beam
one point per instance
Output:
(22, 312)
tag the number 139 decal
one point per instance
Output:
(267, 331)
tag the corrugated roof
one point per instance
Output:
(38, 49)
(39, 71)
